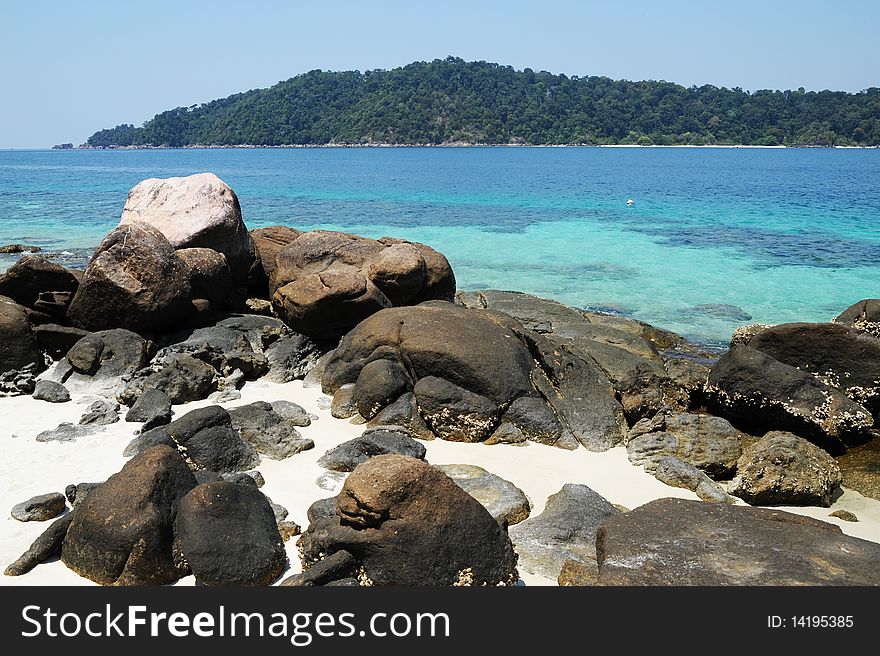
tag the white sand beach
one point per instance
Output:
(30, 468)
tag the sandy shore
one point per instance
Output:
(30, 468)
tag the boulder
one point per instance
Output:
(680, 542)
(39, 508)
(47, 546)
(338, 566)
(181, 377)
(782, 468)
(152, 408)
(757, 393)
(269, 242)
(227, 534)
(209, 275)
(707, 442)
(101, 413)
(860, 467)
(267, 431)
(205, 437)
(845, 358)
(467, 367)
(291, 358)
(57, 340)
(33, 275)
(677, 473)
(864, 316)
(47, 390)
(565, 530)
(97, 363)
(65, 432)
(293, 413)
(122, 532)
(373, 442)
(196, 211)
(324, 283)
(504, 500)
(18, 346)
(135, 280)
(407, 523)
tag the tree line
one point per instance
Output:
(454, 101)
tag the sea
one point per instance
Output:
(714, 238)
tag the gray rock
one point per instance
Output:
(373, 442)
(293, 413)
(47, 390)
(182, 377)
(782, 468)
(535, 419)
(674, 472)
(97, 363)
(707, 442)
(152, 408)
(64, 432)
(504, 500)
(566, 530)
(321, 509)
(39, 508)
(679, 542)
(225, 396)
(291, 358)
(454, 413)
(101, 413)
(268, 432)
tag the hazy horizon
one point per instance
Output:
(72, 71)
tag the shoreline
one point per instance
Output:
(448, 145)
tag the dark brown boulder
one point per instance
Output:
(407, 523)
(679, 542)
(864, 315)
(33, 275)
(209, 275)
(18, 345)
(270, 241)
(136, 281)
(122, 532)
(324, 283)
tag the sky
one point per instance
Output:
(71, 68)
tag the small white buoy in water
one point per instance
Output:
(630, 202)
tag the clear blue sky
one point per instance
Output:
(70, 67)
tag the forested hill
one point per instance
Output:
(454, 101)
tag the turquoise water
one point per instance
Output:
(716, 237)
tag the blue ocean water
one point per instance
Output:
(716, 237)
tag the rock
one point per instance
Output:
(321, 509)
(864, 316)
(121, 533)
(454, 413)
(97, 362)
(744, 334)
(135, 280)
(408, 523)
(293, 413)
(47, 390)
(271, 241)
(324, 283)
(18, 346)
(225, 396)
(76, 494)
(535, 420)
(43, 548)
(21, 381)
(19, 248)
(565, 530)
(57, 340)
(373, 442)
(707, 442)
(32, 275)
(845, 358)
(343, 406)
(291, 358)
(181, 377)
(337, 566)
(845, 515)
(576, 573)
(39, 508)
(209, 275)
(64, 432)
(288, 529)
(51, 307)
(197, 211)
(782, 468)
(206, 439)
(228, 535)
(679, 542)
(267, 431)
(467, 367)
(101, 413)
(860, 467)
(757, 393)
(677, 473)
(152, 408)
(504, 500)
